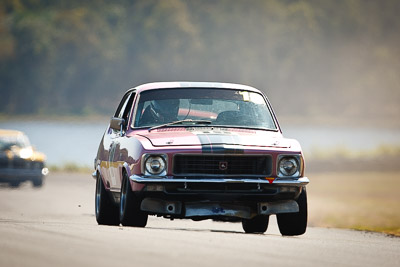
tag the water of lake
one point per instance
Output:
(77, 142)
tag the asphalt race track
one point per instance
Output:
(55, 226)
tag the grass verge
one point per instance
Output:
(365, 201)
(70, 167)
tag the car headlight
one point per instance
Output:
(26, 153)
(289, 166)
(155, 165)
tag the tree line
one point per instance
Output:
(311, 57)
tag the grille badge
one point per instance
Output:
(223, 165)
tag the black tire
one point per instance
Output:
(258, 224)
(37, 182)
(106, 211)
(129, 211)
(291, 224)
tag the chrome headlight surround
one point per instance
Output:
(154, 164)
(289, 166)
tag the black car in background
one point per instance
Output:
(19, 161)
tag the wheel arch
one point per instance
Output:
(98, 173)
(125, 170)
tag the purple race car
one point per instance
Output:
(199, 151)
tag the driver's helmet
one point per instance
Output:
(166, 108)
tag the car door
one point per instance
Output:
(116, 136)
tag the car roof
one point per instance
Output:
(166, 85)
(4, 132)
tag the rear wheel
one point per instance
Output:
(291, 224)
(258, 224)
(106, 210)
(15, 183)
(129, 211)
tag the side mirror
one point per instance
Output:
(117, 124)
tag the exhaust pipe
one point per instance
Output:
(159, 206)
(283, 206)
(263, 208)
(171, 208)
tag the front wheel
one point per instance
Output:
(291, 224)
(106, 210)
(129, 211)
(258, 224)
(38, 181)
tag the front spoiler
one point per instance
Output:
(246, 204)
(209, 209)
(302, 181)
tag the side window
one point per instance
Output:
(121, 105)
(124, 113)
(125, 106)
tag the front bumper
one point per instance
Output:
(302, 181)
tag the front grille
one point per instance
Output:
(227, 165)
(3, 162)
(18, 163)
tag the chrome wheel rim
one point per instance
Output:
(123, 198)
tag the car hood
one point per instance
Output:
(215, 136)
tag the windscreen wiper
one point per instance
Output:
(180, 122)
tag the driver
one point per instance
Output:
(160, 111)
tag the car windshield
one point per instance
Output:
(218, 107)
(8, 141)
